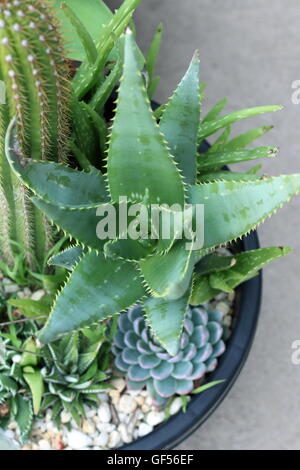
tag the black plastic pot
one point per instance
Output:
(182, 425)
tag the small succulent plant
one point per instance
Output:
(37, 94)
(21, 384)
(72, 373)
(146, 363)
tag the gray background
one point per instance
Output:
(250, 53)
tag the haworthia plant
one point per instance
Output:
(37, 94)
(153, 162)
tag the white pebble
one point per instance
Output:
(223, 308)
(114, 439)
(65, 417)
(9, 286)
(104, 413)
(125, 435)
(118, 384)
(106, 427)
(175, 406)
(155, 417)
(227, 320)
(101, 440)
(44, 445)
(127, 404)
(144, 429)
(88, 427)
(37, 295)
(78, 440)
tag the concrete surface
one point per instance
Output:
(250, 53)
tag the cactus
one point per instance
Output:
(150, 163)
(37, 93)
(145, 363)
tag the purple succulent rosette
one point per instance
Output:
(145, 363)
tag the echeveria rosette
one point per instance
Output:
(145, 363)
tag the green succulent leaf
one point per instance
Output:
(180, 121)
(169, 275)
(68, 258)
(207, 386)
(24, 417)
(152, 59)
(82, 32)
(232, 209)
(53, 182)
(214, 263)
(209, 127)
(226, 176)
(96, 9)
(207, 284)
(97, 289)
(216, 160)
(79, 223)
(35, 382)
(136, 142)
(165, 318)
(32, 308)
(215, 111)
(248, 264)
(247, 138)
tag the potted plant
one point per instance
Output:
(142, 302)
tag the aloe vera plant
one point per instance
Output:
(37, 95)
(151, 162)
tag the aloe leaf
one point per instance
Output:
(220, 143)
(226, 176)
(208, 284)
(202, 291)
(232, 208)
(214, 263)
(216, 160)
(180, 121)
(248, 264)
(96, 9)
(87, 77)
(169, 275)
(207, 386)
(53, 182)
(82, 32)
(24, 417)
(215, 111)
(79, 223)
(129, 249)
(35, 382)
(68, 258)
(32, 308)
(208, 128)
(254, 170)
(246, 138)
(105, 89)
(166, 318)
(151, 60)
(136, 142)
(217, 282)
(97, 289)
